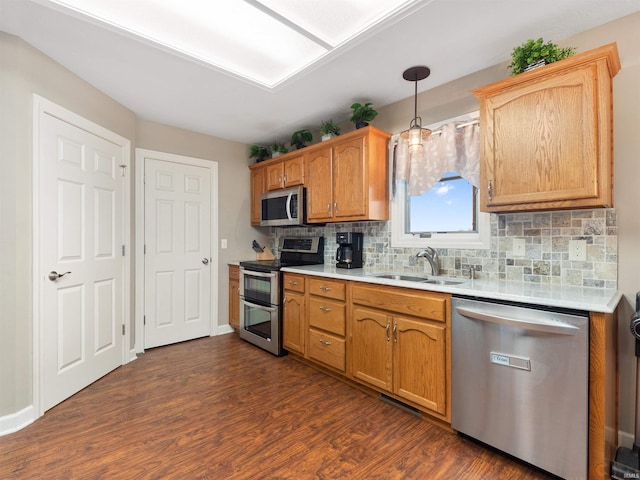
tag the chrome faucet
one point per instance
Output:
(432, 257)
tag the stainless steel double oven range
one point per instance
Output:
(261, 291)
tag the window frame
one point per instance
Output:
(399, 216)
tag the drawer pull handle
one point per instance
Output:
(386, 330)
(395, 332)
(325, 309)
(291, 282)
(325, 342)
(490, 191)
(326, 289)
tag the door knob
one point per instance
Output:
(53, 275)
(205, 261)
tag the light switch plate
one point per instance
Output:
(577, 250)
(519, 247)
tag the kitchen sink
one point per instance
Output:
(418, 279)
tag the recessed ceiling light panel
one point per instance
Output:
(266, 41)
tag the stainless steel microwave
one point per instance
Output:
(285, 207)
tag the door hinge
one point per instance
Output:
(123, 170)
(123, 250)
(144, 250)
(123, 329)
(144, 320)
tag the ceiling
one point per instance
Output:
(453, 37)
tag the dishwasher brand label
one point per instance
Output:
(510, 361)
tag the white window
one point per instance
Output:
(445, 216)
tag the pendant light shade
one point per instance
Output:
(415, 135)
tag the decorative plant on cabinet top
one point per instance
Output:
(362, 114)
(535, 53)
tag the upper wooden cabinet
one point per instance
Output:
(547, 136)
(347, 178)
(258, 187)
(286, 173)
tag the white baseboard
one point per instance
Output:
(17, 421)
(223, 330)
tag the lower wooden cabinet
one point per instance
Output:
(394, 340)
(327, 315)
(404, 356)
(293, 316)
(293, 323)
(234, 296)
(400, 344)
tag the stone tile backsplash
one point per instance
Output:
(546, 259)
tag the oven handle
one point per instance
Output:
(254, 273)
(540, 325)
(259, 307)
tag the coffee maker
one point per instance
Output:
(349, 254)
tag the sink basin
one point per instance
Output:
(408, 278)
(418, 279)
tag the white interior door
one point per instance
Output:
(81, 257)
(178, 263)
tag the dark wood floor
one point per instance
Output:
(219, 408)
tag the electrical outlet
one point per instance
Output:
(578, 250)
(519, 247)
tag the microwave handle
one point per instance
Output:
(289, 197)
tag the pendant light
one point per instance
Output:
(415, 135)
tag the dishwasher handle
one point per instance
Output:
(539, 325)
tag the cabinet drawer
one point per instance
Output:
(293, 282)
(327, 315)
(327, 349)
(427, 305)
(327, 288)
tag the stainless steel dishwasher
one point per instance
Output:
(520, 382)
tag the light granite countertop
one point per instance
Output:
(578, 298)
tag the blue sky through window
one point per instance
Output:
(447, 207)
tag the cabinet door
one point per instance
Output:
(319, 186)
(372, 347)
(420, 363)
(350, 179)
(293, 322)
(234, 297)
(258, 184)
(294, 171)
(275, 176)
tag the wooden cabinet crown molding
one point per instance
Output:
(547, 136)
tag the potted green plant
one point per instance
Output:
(534, 53)
(300, 138)
(277, 149)
(259, 153)
(329, 130)
(362, 114)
